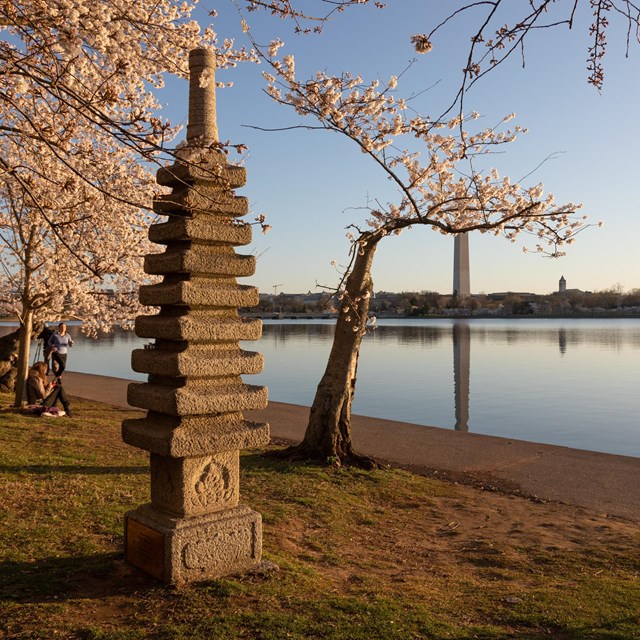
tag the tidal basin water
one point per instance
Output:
(571, 382)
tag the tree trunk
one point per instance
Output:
(328, 434)
(26, 325)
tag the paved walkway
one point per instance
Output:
(602, 482)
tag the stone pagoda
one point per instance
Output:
(195, 528)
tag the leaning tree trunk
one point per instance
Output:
(328, 434)
(26, 327)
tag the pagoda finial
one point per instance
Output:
(202, 125)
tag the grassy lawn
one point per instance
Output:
(361, 555)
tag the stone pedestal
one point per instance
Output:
(195, 528)
(182, 550)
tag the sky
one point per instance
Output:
(581, 144)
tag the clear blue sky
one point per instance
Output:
(310, 183)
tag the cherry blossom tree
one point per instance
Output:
(442, 182)
(78, 115)
(504, 27)
(69, 250)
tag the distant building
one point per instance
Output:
(562, 285)
(562, 288)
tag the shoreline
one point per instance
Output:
(601, 482)
(6, 320)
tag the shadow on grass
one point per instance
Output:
(76, 469)
(271, 462)
(63, 578)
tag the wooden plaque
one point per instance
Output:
(144, 548)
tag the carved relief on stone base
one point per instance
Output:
(203, 547)
(193, 486)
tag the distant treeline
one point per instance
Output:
(573, 302)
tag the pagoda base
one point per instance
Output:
(182, 550)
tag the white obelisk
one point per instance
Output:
(461, 282)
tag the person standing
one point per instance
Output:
(59, 342)
(44, 335)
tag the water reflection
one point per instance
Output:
(403, 354)
(411, 335)
(569, 382)
(461, 335)
(283, 333)
(611, 334)
(562, 340)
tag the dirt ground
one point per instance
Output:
(466, 535)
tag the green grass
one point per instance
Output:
(361, 555)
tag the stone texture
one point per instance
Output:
(200, 259)
(200, 360)
(201, 547)
(194, 528)
(200, 292)
(202, 326)
(208, 199)
(191, 436)
(202, 125)
(200, 229)
(195, 485)
(185, 401)
(211, 169)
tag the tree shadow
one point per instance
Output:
(273, 460)
(57, 579)
(75, 469)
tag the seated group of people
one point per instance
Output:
(41, 391)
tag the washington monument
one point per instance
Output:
(461, 284)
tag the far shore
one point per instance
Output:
(442, 316)
(384, 316)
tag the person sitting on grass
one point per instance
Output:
(44, 393)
